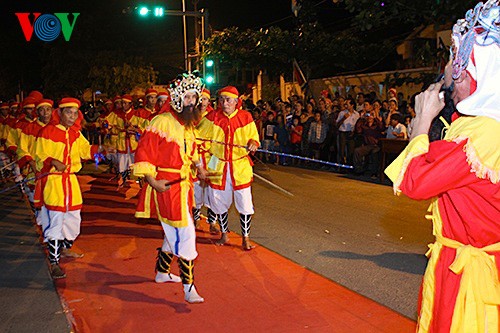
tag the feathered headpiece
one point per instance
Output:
(481, 26)
(181, 85)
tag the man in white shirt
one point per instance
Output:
(346, 121)
(396, 130)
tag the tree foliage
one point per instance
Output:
(119, 75)
(274, 49)
(372, 14)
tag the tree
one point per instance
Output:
(116, 75)
(372, 14)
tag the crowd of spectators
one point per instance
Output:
(338, 129)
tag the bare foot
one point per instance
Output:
(223, 239)
(247, 246)
(67, 253)
(213, 229)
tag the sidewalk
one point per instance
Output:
(111, 289)
(29, 302)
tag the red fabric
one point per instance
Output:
(230, 126)
(470, 211)
(169, 202)
(294, 137)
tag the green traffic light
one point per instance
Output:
(159, 11)
(209, 79)
(143, 11)
(209, 63)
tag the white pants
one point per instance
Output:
(221, 200)
(201, 195)
(180, 241)
(60, 225)
(125, 161)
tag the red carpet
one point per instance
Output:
(111, 289)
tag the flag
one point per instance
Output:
(296, 7)
(298, 75)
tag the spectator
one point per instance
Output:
(281, 139)
(298, 107)
(360, 100)
(346, 121)
(377, 110)
(268, 130)
(306, 119)
(296, 135)
(393, 109)
(317, 134)
(396, 130)
(371, 131)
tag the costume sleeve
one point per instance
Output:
(146, 155)
(253, 134)
(23, 149)
(424, 170)
(11, 139)
(86, 150)
(43, 158)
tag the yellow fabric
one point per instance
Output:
(396, 171)
(12, 137)
(483, 134)
(26, 146)
(117, 125)
(204, 131)
(141, 169)
(112, 140)
(53, 193)
(479, 291)
(238, 160)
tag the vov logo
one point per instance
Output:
(47, 27)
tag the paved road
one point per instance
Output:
(28, 299)
(353, 232)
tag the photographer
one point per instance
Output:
(461, 174)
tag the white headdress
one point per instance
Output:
(181, 85)
(476, 49)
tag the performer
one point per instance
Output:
(13, 135)
(161, 99)
(59, 149)
(461, 173)
(204, 132)
(164, 157)
(26, 148)
(232, 126)
(108, 124)
(129, 126)
(4, 158)
(148, 111)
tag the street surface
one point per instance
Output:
(356, 233)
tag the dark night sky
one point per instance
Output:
(102, 25)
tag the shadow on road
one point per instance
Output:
(403, 262)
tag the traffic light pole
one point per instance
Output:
(203, 14)
(186, 59)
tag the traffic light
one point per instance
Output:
(143, 10)
(157, 11)
(209, 71)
